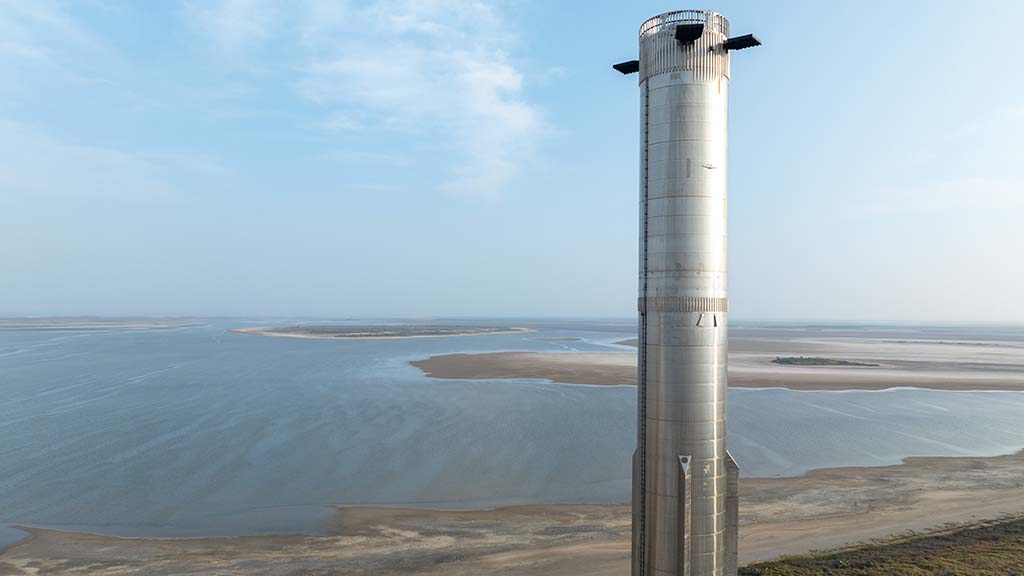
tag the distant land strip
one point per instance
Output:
(374, 332)
(71, 324)
(818, 361)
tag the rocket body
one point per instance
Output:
(684, 480)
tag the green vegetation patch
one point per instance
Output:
(815, 361)
(987, 550)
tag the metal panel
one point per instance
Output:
(686, 205)
(683, 517)
(732, 515)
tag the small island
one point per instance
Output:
(326, 331)
(815, 361)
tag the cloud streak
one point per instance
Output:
(439, 69)
(980, 177)
(233, 24)
(34, 31)
(94, 174)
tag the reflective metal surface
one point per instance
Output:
(684, 482)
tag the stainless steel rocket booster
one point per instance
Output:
(684, 481)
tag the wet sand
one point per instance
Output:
(941, 365)
(829, 508)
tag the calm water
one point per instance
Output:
(201, 431)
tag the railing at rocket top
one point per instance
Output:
(661, 53)
(711, 20)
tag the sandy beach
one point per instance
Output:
(941, 365)
(823, 509)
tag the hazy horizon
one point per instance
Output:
(301, 318)
(397, 159)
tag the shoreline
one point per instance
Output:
(269, 331)
(12, 536)
(825, 508)
(619, 369)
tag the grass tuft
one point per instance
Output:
(990, 549)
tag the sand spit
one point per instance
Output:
(828, 508)
(968, 365)
(275, 332)
(87, 325)
(615, 369)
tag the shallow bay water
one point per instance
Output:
(200, 431)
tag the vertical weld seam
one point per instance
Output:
(642, 356)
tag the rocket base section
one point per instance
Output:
(732, 514)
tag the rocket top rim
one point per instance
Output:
(711, 20)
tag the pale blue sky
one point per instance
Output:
(478, 157)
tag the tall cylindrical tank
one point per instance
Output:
(683, 477)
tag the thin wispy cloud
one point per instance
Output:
(440, 71)
(437, 68)
(34, 30)
(947, 198)
(340, 120)
(28, 158)
(233, 25)
(982, 176)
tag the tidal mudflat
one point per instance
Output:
(820, 510)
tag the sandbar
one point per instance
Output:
(871, 364)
